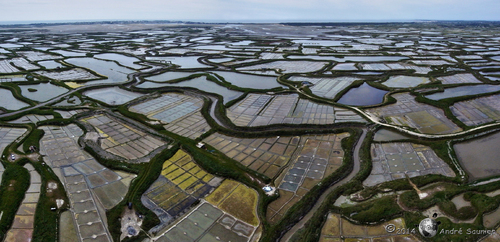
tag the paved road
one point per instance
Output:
(52, 101)
(429, 136)
(131, 78)
(323, 196)
(376, 120)
(58, 98)
(223, 123)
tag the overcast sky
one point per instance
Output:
(249, 10)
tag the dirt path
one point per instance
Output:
(308, 216)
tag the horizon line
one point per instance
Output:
(205, 21)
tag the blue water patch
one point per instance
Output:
(363, 95)
(463, 91)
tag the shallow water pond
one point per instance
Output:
(122, 59)
(367, 73)
(220, 60)
(187, 62)
(9, 102)
(243, 42)
(363, 95)
(249, 81)
(485, 67)
(350, 58)
(211, 47)
(8, 45)
(112, 95)
(113, 71)
(463, 91)
(405, 81)
(388, 135)
(50, 64)
(171, 75)
(345, 67)
(307, 42)
(44, 91)
(492, 219)
(68, 53)
(200, 83)
(479, 157)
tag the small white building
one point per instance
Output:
(269, 190)
(201, 145)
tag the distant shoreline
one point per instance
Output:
(288, 22)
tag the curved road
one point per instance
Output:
(130, 79)
(133, 77)
(376, 120)
(323, 196)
